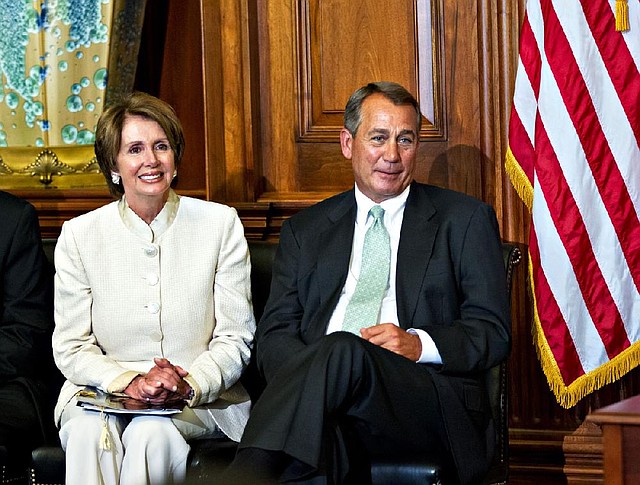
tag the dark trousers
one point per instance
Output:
(341, 401)
(20, 429)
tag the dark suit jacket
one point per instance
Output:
(26, 300)
(450, 282)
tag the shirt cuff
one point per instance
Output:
(430, 354)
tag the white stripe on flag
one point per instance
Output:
(561, 279)
(613, 119)
(525, 101)
(577, 173)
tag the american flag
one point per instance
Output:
(574, 159)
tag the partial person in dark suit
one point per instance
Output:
(411, 380)
(26, 324)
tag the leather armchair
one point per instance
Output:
(208, 457)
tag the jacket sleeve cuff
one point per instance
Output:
(197, 393)
(120, 383)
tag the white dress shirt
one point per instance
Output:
(393, 215)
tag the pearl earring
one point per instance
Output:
(115, 178)
(175, 173)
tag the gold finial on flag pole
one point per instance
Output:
(622, 15)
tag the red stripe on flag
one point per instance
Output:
(521, 145)
(551, 320)
(530, 56)
(573, 234)
(519, 142)
(617, 58)
(606, 173)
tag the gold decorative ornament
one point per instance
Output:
(61, 167)
(46, 166)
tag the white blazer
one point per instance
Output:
(120, 301)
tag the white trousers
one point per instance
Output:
(141, 449)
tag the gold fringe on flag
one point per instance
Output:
(568, 396)
(622, 15)
(519, 179)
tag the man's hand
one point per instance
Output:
(393, 338)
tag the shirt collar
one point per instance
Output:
(391, 206)
(150, 232)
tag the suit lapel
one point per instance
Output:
(417, 237)
(334, 253)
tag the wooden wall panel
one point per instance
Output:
(344, 44)
(347, 44)
(181, 86)
(312, 55)
(231, 131)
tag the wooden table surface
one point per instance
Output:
(620, 423)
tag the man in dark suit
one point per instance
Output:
(26, 324)
(411, 380)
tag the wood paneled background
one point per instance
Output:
(260, 87)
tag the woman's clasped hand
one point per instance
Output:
(164, 383)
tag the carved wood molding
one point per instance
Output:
(583, 452)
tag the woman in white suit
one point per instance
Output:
(152, 300)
